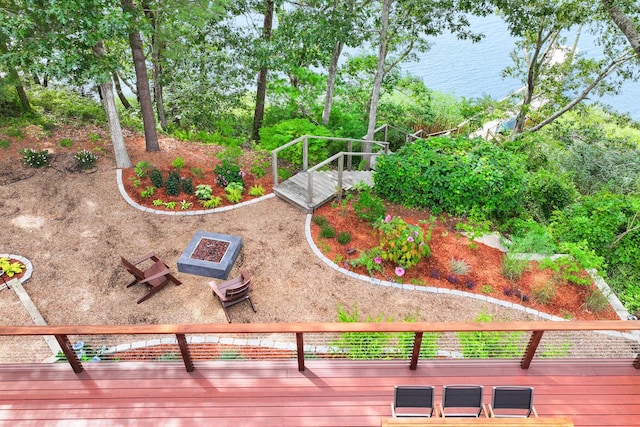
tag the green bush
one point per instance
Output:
(286, 131)
(142, 168)
(360, 345)
(5, 143)
(327, 232)
(177, 163)
(35, 159)
(319, 220)
(85, 159)
(402, 243)
(227, 172)
(156, 177)
(369, 207)
(457, 176)
(547, 192)
(485, 345)
(371, 260)
(187, 185)
(172, 184)
(67, 104)
(343, 237)
(204, 192)
(234, 192)
(65, 142)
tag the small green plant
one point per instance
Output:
(513, 267)
(35, 159)
(459, 267)
(487, 290)
(260, 164)
(65, 143)
(10, 268)
(14, 132)
(187, 185)
(156, 177)
(184, 205)
(595, 301)
(211, 203)
(177, 163)
(86, 159)
(256, 190)
(147, 192)
(234, 192)
(360, 345)
(343, 237)
(172, 184)
(135, 181)
(327, 232)
(5, 143)
(230, 355)
(204, 192)
(170, 205)
(142, 168)
(197, 172)
(368, 207)
(158, 202)
(338, 259)
(371, 260)
(319, 220)
(544, 293)
(93, 137)
(484, 345)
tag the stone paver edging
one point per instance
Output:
(27, 270)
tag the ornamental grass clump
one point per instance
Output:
(402, 243)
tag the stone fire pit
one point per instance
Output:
(210, 254)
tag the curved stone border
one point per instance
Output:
(27, 264)
(623, 315)
(130, 201)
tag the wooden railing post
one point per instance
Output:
(310, 188)
(274, 168)
(71, 355)
(415, 354)
(530, 351)
(305, 153)
(300, 349)
(184, 351)
(340, 168)
(349, 150)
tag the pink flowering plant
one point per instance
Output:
(371, 260)
(402, 243)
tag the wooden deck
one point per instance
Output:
(295, 189)
(275, 393)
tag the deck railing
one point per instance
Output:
(523, 339)
(304, 140)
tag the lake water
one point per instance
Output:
(472, 70)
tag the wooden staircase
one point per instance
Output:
(324, 187)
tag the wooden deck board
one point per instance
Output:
(262, 393)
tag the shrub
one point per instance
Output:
(371, 260)
(457, 176)
(197, 172)
(360, 345)
(327, 232)
(86, 159)
(234, 192)
(596, 301)
(401, 243)
(547, 192)
(228, 172)
(156, 177)
(177, 163)
(5, 143)
(343, 237)
(147, 192)
(513, 267)
(544, 293)
(65, 142)
(204, 192)
(368, 207)
(319, 220)
(35, 159)
(172, 184)
(142, 169)
(272, 137)
(187, 185)
(459, 267)
(211, 203)
(256, 191)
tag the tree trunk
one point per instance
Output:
(625, 24)
(331, 80)
(109, 102)
(156, 65)
(261, 91)
(377, 80)
(14, 78)
(121, 97)
(142, 84)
